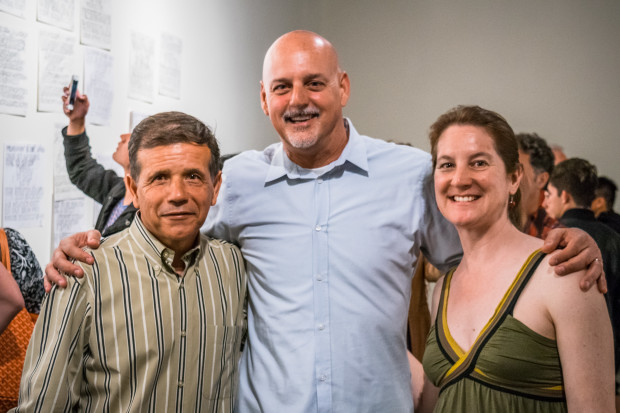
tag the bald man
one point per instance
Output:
(330, 223)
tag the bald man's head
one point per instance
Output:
(303, 92)
(299, 40)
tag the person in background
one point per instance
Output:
(102, 185)
(603, 203)
(156, 324)
(558, 153)
(331, 224)
(537, 160)
(509, 336)
(25, 270)
(11, 299)
(21, 294)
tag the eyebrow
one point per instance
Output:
(483, 154)
(305, 78)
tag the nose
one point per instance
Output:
(299, 96)
(178, 191)
(461, 176)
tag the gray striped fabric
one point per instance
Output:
(132, 336)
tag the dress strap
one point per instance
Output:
(465, 362)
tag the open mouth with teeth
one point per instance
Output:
(464, 198)
(301, 118)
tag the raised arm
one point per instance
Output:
(84, 171)
(572, 249)
(585, 343)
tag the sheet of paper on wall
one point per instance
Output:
(96, 24)
(70, 216)
(141, 67)
(56, 65)
(22, 195)
(136, 117)
(63, 188)
(15, 7)
(98, 85)
(170, 60)
(58, 13)
(13, 79)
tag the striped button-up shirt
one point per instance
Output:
(133, 336)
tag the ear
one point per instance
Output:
(598, 205)
(566, 197)
(515, 179)
(131, 186)
(541, 179)
(263, 99)
(217, 182)
(345, 88)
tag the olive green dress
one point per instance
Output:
(509, 368)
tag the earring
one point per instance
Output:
(511, 201)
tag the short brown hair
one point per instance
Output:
(496, 126)
(578, 177)
(168, 128)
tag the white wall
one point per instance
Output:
(550, 67)
(223, 45)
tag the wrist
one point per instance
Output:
(76, 127)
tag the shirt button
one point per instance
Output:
(323, 378)
(321, 327)
(156, 267)
(183, 333)
(319, 180)
(180, 384)
(319, 277)
(318, 228)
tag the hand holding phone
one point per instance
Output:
(72, 91)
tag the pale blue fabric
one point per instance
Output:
(330, 259)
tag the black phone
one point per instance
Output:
(72, 91)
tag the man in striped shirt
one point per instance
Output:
(157, 321)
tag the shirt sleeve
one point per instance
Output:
(441, 244)
(217, 223)
(52, 374)
(26, 270)
(84, 171)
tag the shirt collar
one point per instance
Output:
(157, 251)
(354, 153)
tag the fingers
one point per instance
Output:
(46, 284)
(93, 238)
(593, 266)
(52, 276)
(71, 248)
(602, 282)
(555, 240)
(594, 274)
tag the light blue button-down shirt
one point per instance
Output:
(330, 256)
